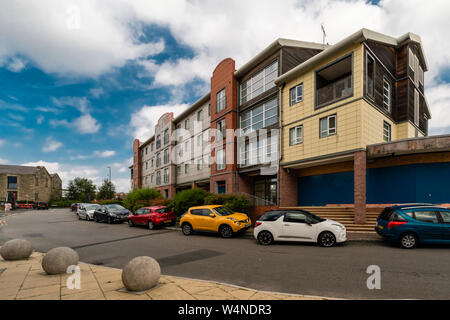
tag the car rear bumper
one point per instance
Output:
(164, 221)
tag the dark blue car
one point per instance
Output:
(413, 224)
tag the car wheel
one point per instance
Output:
(327, 239)
(130, 223)
(187, 229)
(265, 238)
(151, 226)
(79, 217)
(96, 219)
(408, 240)
(87, 217)
(109, 220)
(226, 231)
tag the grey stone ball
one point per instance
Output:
(16, 249)
(57, 260)
(141, 273)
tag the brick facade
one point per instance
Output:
(360, 186)
(288, 189)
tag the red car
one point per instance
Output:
(152, 217)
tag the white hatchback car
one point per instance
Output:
(298, 225)
(86, 211)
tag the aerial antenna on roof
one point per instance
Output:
(324, 33)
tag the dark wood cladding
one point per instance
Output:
(292, 57)
(393, 64)
(274, 57)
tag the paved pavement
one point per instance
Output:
(25, 280)
(285, 267)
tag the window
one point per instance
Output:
(146, 165)
(199, 164)
(186, 124)
(151, 178)
(166, 156)
(386, 132)
(178, 170)
(296, 135)
(166, 175)
(426, 216)
(166, 136)
(151, 163)
(296, 217)
(265, 191)
(387, 94)
(151, 147)
(200, 140)
(221, 127)
(262, 116)
(328, 126)
(370, 76)
(271, 216)
(36, 180)
(221, 100)
(296, 94)
(186, 168)
(445, 215)
(209, 109)
(158, 142)
(158, 177)
(201, 212)
(259, 83)
(416, 107)
(220, 160)
(258, 151)
(12, 182)
(221, 187)
(187, 145)
(200, 115)
(146, 150)
(158, 159)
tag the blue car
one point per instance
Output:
(413, 224)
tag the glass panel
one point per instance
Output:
(426, 216)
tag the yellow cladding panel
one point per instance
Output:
(406, 130)
(373, 124)
(349, 116)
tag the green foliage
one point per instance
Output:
(103, 202)
(137, 196)
(234, 202)
(55, 195)
(185, 199)
(82, 189)
(106, 191)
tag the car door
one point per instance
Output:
(200, 221)
(211, 223)
(445, 224)
(428, 226)
(137, 217)
(103, 213)
(147, 215)
(296, 227)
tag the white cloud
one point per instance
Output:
(143, 121)
(86, 37)
(84, 124)
(439, 99)
(3, 161)
(51, 145)
(16, 117)
(40, 119)
(80, 103)
(16, 65)
(97, 92)
(105, 154)
(121, 184)
(2, 142)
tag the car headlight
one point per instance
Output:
(340, 226)
(232, 219)
(113, 215)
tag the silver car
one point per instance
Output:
(86, 211)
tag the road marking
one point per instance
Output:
(122, 239)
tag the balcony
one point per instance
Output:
(335, 91)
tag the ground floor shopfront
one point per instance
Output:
(408, 171)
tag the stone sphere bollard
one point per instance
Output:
(141, 273)
(57, 260)
(16, 249)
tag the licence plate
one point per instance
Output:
(168, 221)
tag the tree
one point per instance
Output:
(81, 189)
(106, 191)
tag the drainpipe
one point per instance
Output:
(280, 133)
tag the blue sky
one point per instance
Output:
(79, 80)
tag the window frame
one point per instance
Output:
(221, 166)
(265, 85)
(295, 90)
(294, 129)
(388, 107)
(389, 127)
(328, 126)
(221, 102)
(249, 128)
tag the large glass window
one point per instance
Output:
(221, 100)
(265, 192)
(426, 216)
(158, 141)
(260, 117)
(259, 83)
(220, 159)
(166, 175)
(221, 127)
(166, 136)
(166, 156)
(158, 177)
(259, 151)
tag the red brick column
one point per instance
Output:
(360, 186)
(194, 185)
(288, 188)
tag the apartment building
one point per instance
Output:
(310, 124)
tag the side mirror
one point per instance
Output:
(212, 215)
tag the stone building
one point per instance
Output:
(22, 183)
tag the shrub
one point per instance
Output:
(185, 199)
(133, 197)
(103, 202)
(234, 202)
(159, 202)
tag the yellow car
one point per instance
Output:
(214, 218)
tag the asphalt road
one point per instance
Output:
(340, 272)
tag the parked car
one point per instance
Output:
(152, 217)
(74, 207)
(300, 226)
(410, 225)
(86, 210)
(41, 205)
(111, 213)
(214, 218)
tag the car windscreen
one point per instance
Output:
(162, 210)
(223, 211)
(271, 216)
(114, 207)
(91, 206)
